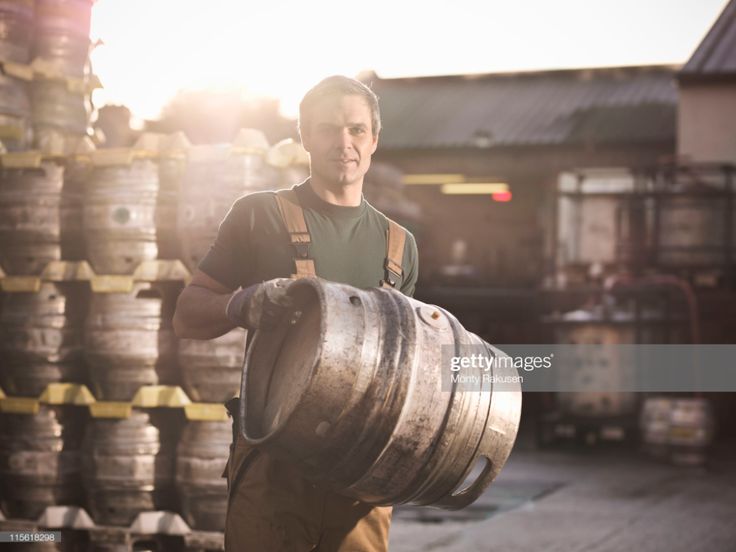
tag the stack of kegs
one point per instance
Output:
(129, 466)
(61, 104)
(40, 460)
(45, 81)
(201, 458)
(214, 177)
(16, 23)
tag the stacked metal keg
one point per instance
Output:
(61, 47)
(16, 23)
(45, 82)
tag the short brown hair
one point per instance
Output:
(335, 87)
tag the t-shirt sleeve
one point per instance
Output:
(225, 259)
(411, 266)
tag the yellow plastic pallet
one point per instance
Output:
(70, 271)
(148, 396)
(147, 271)
(206, 412)
(54, 394)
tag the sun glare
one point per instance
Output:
(153, 48)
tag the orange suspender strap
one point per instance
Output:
(293, 217)
(395, 240)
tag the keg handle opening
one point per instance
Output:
(469, 493)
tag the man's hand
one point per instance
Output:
(260, 306)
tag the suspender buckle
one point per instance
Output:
(391, 275)
(302, 249)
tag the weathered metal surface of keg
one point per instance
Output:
(57, 107)
(68, 52)
(129, 341)
(352, 387)
(214, 178)
(73, 16)
(76, 175)
(171, 170)
(41, 339)
(692, 231)
(15, 103)
(15, 30)
(679, 430)
(128, 466)
(211, 369)
(201, 457)
(120, 216)
(30, 218)
(62, 34)
(40, 460)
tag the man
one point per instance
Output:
(323, 227)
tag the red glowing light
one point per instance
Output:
(503, 197)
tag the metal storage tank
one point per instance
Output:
(601, 221)
(40, 460)
(120, 216)
(201, 457)
(128, 465)
(30, 218)
(129, 341)
(695, 223)
(211, 369)
(41, 338)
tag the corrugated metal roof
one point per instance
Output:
(716, 54)
(599, 106)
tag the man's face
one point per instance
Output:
(340, 140)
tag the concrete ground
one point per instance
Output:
(585, 500)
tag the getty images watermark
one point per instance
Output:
(599, 368)
(482, 368)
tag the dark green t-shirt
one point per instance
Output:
(348, 243)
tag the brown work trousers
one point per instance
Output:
(272, 508)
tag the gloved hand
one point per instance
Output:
(260, 306)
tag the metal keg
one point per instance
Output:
(171, 170)
(120, 216)
(30, 218)
(14, 98)
(41, 338)
(129, 465)
(16, 19)
(73, 16)
(62, 34)
(76, 175)
(351, 386)
(57, 107)
(211, 369)
(40, 460)
(200, 460)
(214, 178)
(129, 341)
(678, 430)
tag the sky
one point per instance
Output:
(280, 48)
